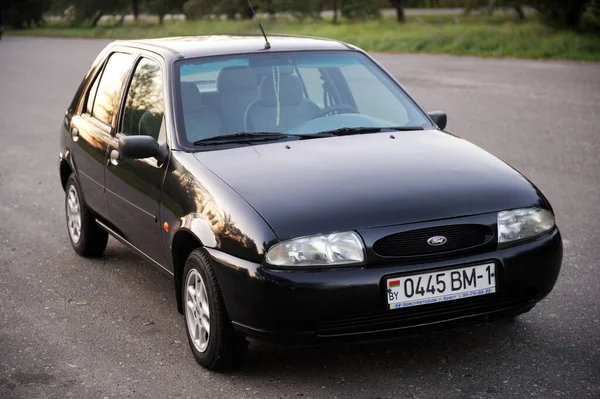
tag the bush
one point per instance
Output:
(300, 8)
(19, 14)
(561, 13)
(198, 9)
(359, 9)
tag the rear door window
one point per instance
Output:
(108, 96)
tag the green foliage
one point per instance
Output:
(300, 8)
(500, 35)
(590, 21)
(19, 14)
(231, 8)
(562, 13)
(198, 9)
(163, 7)
(360, 9)
(81, 12)
(435, 3)
(23, 13)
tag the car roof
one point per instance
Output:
(202, 46)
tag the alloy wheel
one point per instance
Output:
(73, 214)
(197, 310)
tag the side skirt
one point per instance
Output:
(130, 245)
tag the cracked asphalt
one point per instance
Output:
(109, 328)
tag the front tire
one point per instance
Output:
(213, 341)
(86, 237)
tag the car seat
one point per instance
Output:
(273, 112)
(237, 87)
(200, 121)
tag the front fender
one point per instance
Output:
(200, 210)
(195, 201)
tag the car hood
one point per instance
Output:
(345, 183)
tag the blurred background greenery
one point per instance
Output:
(563, 29)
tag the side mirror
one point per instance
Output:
(440, 118)
(139, 147)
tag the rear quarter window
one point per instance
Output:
(89, 104)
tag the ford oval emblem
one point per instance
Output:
(436, 241)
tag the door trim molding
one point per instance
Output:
(131, 204)
(130, 245)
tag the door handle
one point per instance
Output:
(75, 134)
(115, 156)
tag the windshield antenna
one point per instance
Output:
(267, 44)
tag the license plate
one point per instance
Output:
(440, 286)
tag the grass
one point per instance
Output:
(501, 35)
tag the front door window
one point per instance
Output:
(133, 186)
(144, 105)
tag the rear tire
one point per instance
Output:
(213, 341)
(86, 237)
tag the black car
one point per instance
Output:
(296, 194)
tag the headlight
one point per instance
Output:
(523, 223)
(324, 250)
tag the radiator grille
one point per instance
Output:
(414, 242)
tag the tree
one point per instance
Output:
(561, 13)
(556, 13)
(300, 8)
(82, 11)
(164, 7)
(271, 7)
(20, 14)
(397, 4)
(198, 9)
(360, 9)
(232, 7)
(519, 10)
(469, 5)
(514, 4)
(335, 11)
(135, 9)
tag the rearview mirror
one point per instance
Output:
(139, 147)
(439, 118)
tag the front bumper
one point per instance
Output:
(340, 304)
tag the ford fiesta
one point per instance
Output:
(296, 194)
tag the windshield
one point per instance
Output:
(299, 93)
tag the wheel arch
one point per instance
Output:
(184, 242)
(65, 171)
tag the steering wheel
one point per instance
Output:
(343, 108)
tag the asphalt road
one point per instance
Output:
(108, 328)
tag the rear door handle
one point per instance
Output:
(75, 134)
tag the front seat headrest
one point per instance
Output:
(236, 78)
(290, 90)
(190, 97)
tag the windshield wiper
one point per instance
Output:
(241, 137)
(245, 137)
(363, 130)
